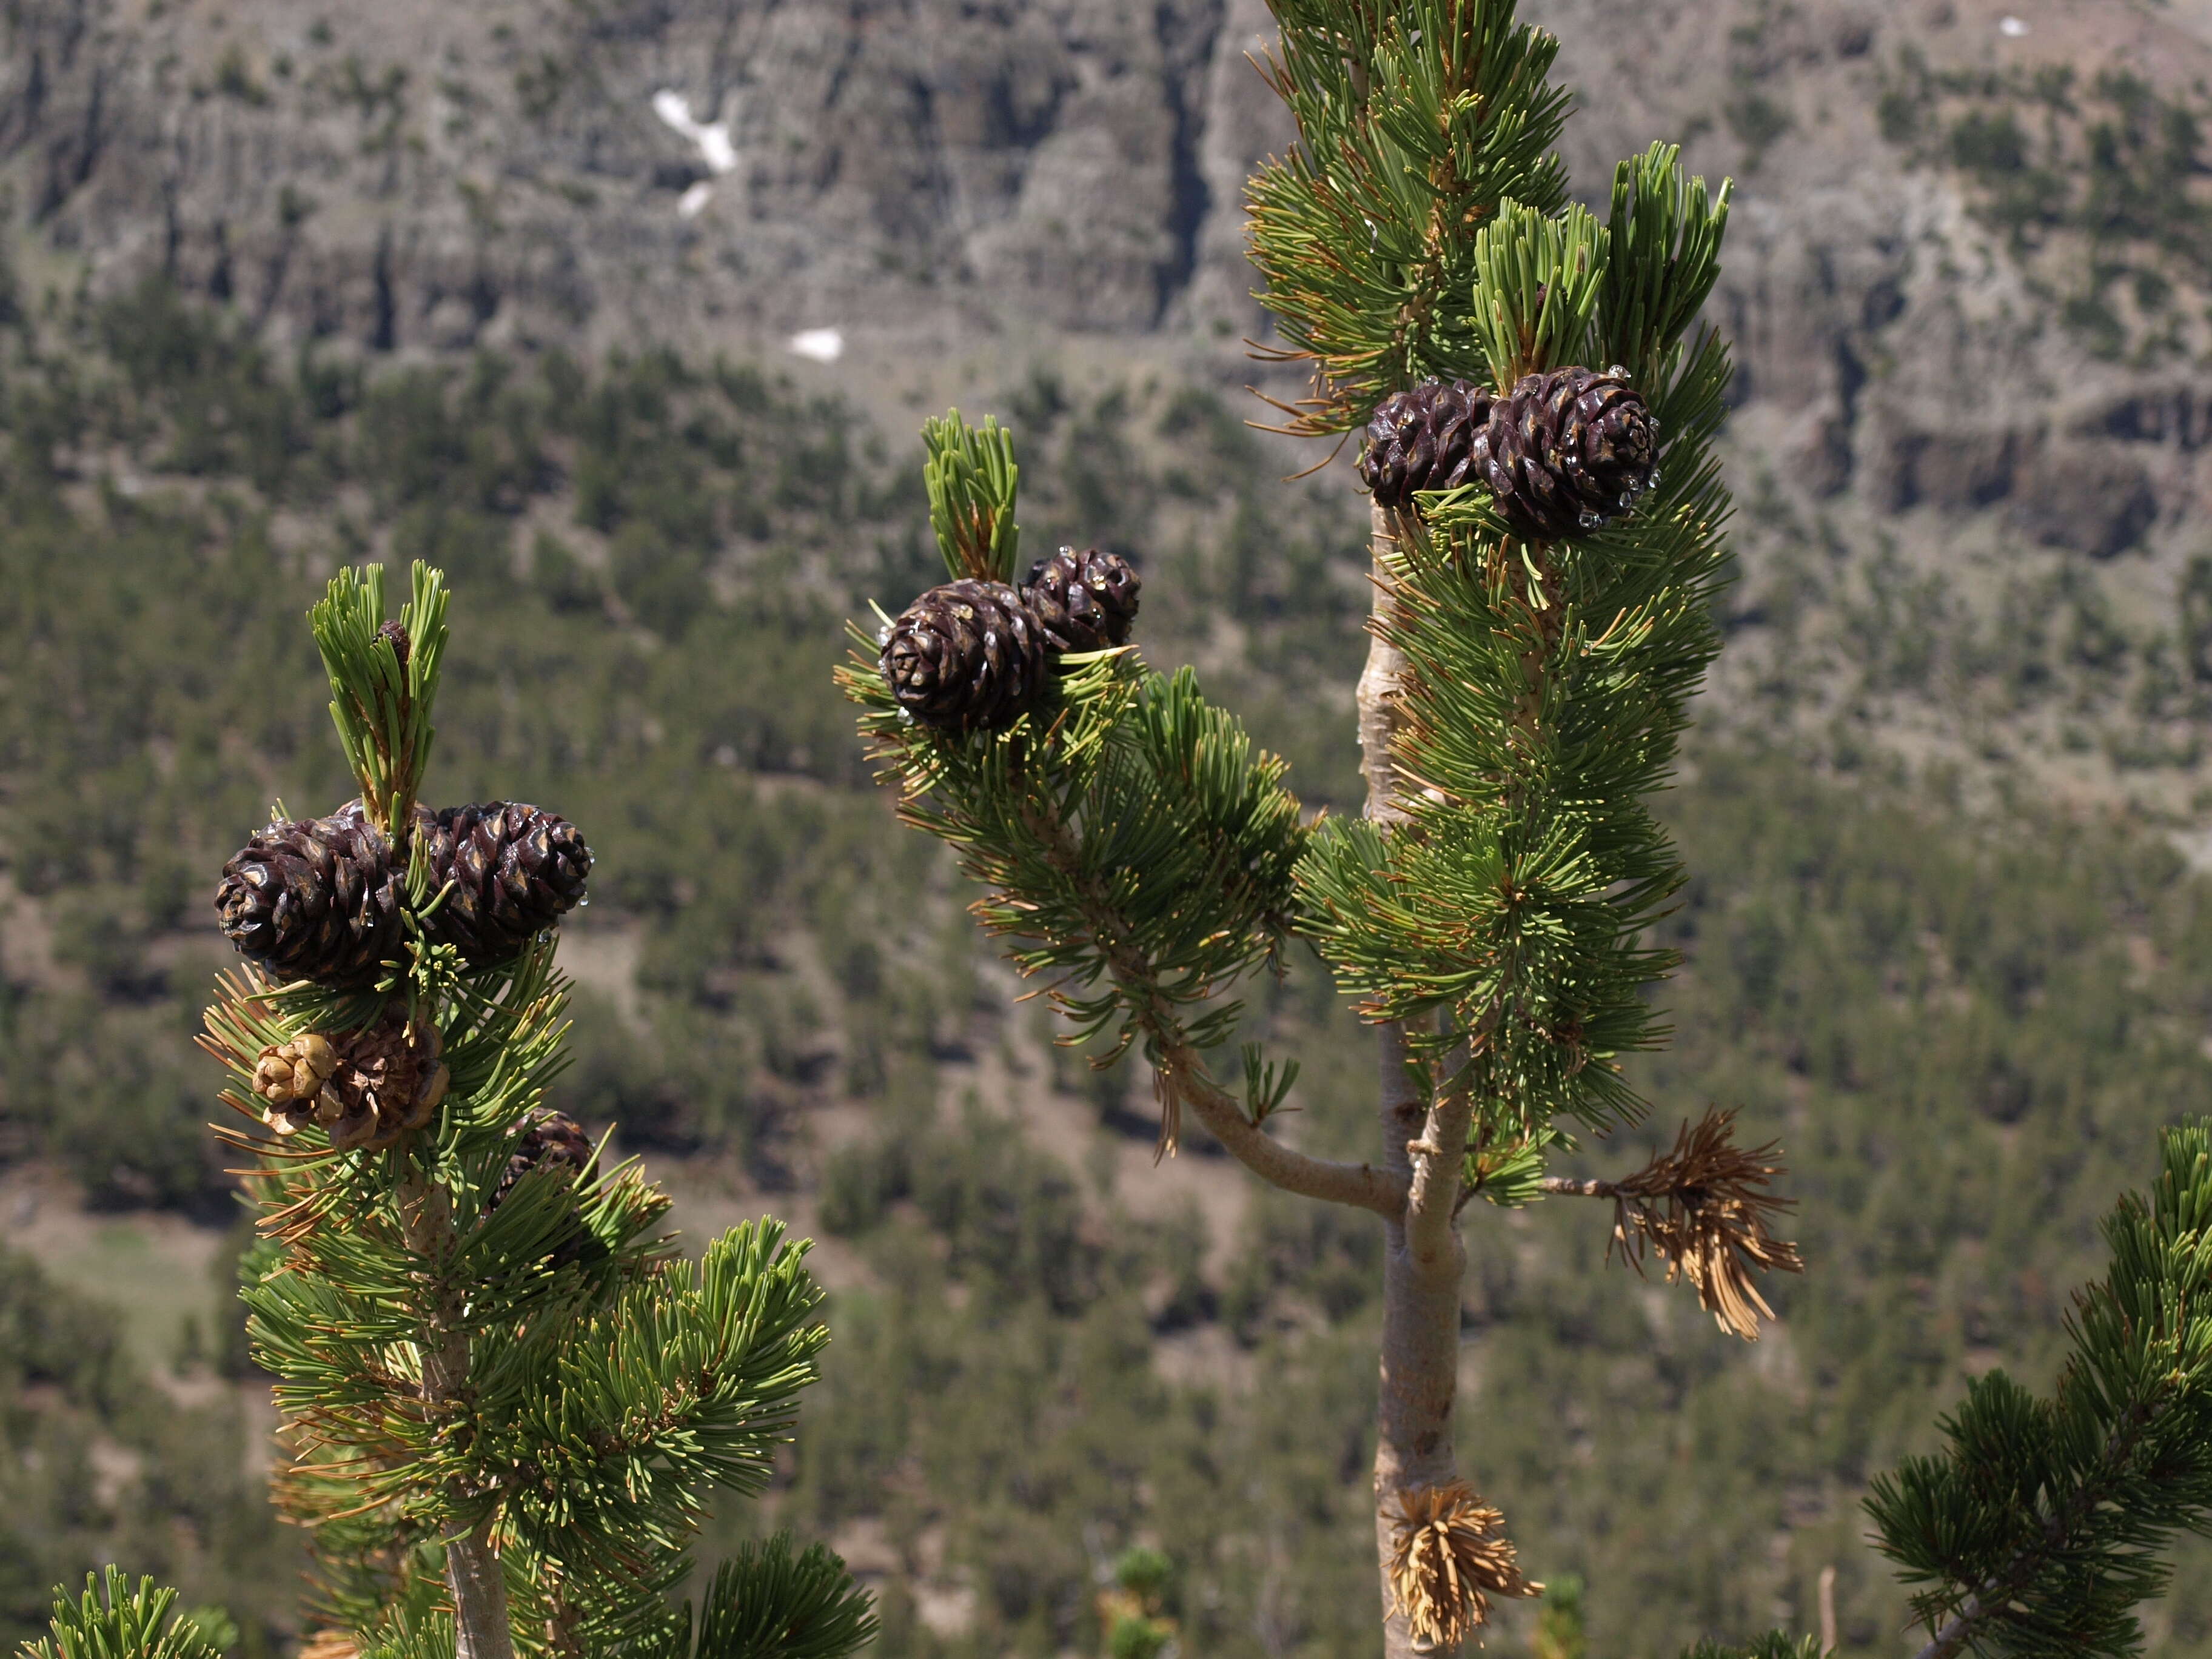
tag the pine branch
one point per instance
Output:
(768, 1602)
(972, 481)
(1704, 1207)
(1543, 692)
(1414, 123)
(2038, 1531)
(1137, 852)
(115, 1619)
(384, 683)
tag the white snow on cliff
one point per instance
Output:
(712, 139)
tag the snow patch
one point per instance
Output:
(2011, 28)
(824, 345)
(713, 138)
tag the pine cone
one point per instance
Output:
(516, 870)
(315, 898)
(967, 656)
(1083, 601)
(368, 1088)
(1423, 439)
(551, 1140)
(1568, 450)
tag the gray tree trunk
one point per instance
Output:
(1423, 1260)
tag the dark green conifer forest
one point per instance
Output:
(1967, 1017)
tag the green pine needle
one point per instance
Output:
(382, 706)
(2042, 1527)
(115, 1619)
(972, 481)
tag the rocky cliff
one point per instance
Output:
(1967, 277)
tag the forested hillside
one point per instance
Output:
(1964, 1012)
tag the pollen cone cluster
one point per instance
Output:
(368, 1088)
(1449, 1557)
(1704, 1207)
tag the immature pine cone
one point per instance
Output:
(315, 898)
(1423, 439)
(551, 1140)
(1084, 601)
(368, 1088)
(967, 656)
(515, 871)
(1568, 450)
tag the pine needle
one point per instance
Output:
(1449, 1557)
(1705, 1205)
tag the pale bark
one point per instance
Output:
(1953, 1637)
(1423, 1260)
(1377, 694)
(472, 1567)
(1361, 1185)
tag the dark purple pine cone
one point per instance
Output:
(968, 656)
(316, 899)
(550, 1140)
(1567, 451)
(1084, 601)
(515, 871)
(1423, 439)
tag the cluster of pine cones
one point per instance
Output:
(1562, 453)
(975, 656)
(320, 898)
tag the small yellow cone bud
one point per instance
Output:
(272, 1075)
(317, 1054)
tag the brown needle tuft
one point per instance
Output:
(1704, 1207)
(1448, 1557)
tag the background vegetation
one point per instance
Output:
(1964, 1016)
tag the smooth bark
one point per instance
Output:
(1362, 1185)
(1423, 1260)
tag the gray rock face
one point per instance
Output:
(1914, 390)
(407, 174)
